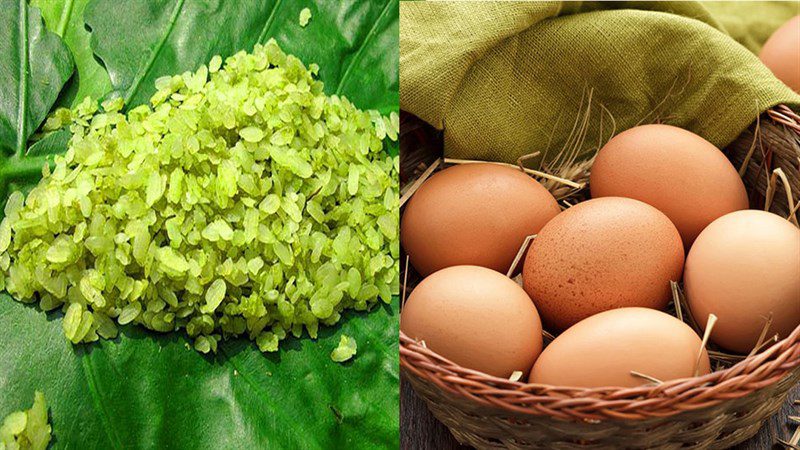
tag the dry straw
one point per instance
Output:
(712, 411)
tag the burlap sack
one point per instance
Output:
(504, 79)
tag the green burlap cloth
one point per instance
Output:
(504, 79)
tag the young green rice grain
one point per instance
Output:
(241, 201)
(346, 349)
(305, 16)
(26, 430)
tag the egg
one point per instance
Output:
(603, 349)
(474, 214)
(678, 172)
(742, 268)
(781, 53)
(475, 317)
(602, 254)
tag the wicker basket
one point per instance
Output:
(714, 411)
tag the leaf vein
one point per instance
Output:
(269, 22)
(156, 51)
(22, 101)
(86, 364)
(66, 14)
(360, 52)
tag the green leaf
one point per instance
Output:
(36, 64)
(139, 392)
(65, 18)
(141, 41)
(52, 144)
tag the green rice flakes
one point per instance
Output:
(242, 201)
(26, 430)
(305, 16)
(345, 350)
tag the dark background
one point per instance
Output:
(419, 430)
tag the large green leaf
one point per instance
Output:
(354, 42)
(141, 392)
(144, 390)
(65, 18)
(35, 66)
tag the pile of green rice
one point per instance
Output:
(26, 430)
(242, 201)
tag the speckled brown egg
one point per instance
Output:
(781, 53)
(742, 268)
(475, 317)
(474, 214)
(602, 254)
(602, 350)
(680, 173)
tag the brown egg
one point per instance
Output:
(475, 317)
(681, 174)
(602, 350)
(476, 214)
(743, 267)
(602, 254)
(781, 53)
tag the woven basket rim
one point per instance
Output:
(669, 398)
(648, 401)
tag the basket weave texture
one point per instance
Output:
(713, 411)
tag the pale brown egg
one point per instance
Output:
(742, 268)
(602, 254)
(476, 214)
(781, 53)
(680, 173)
(475, 317)
(602, 350)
